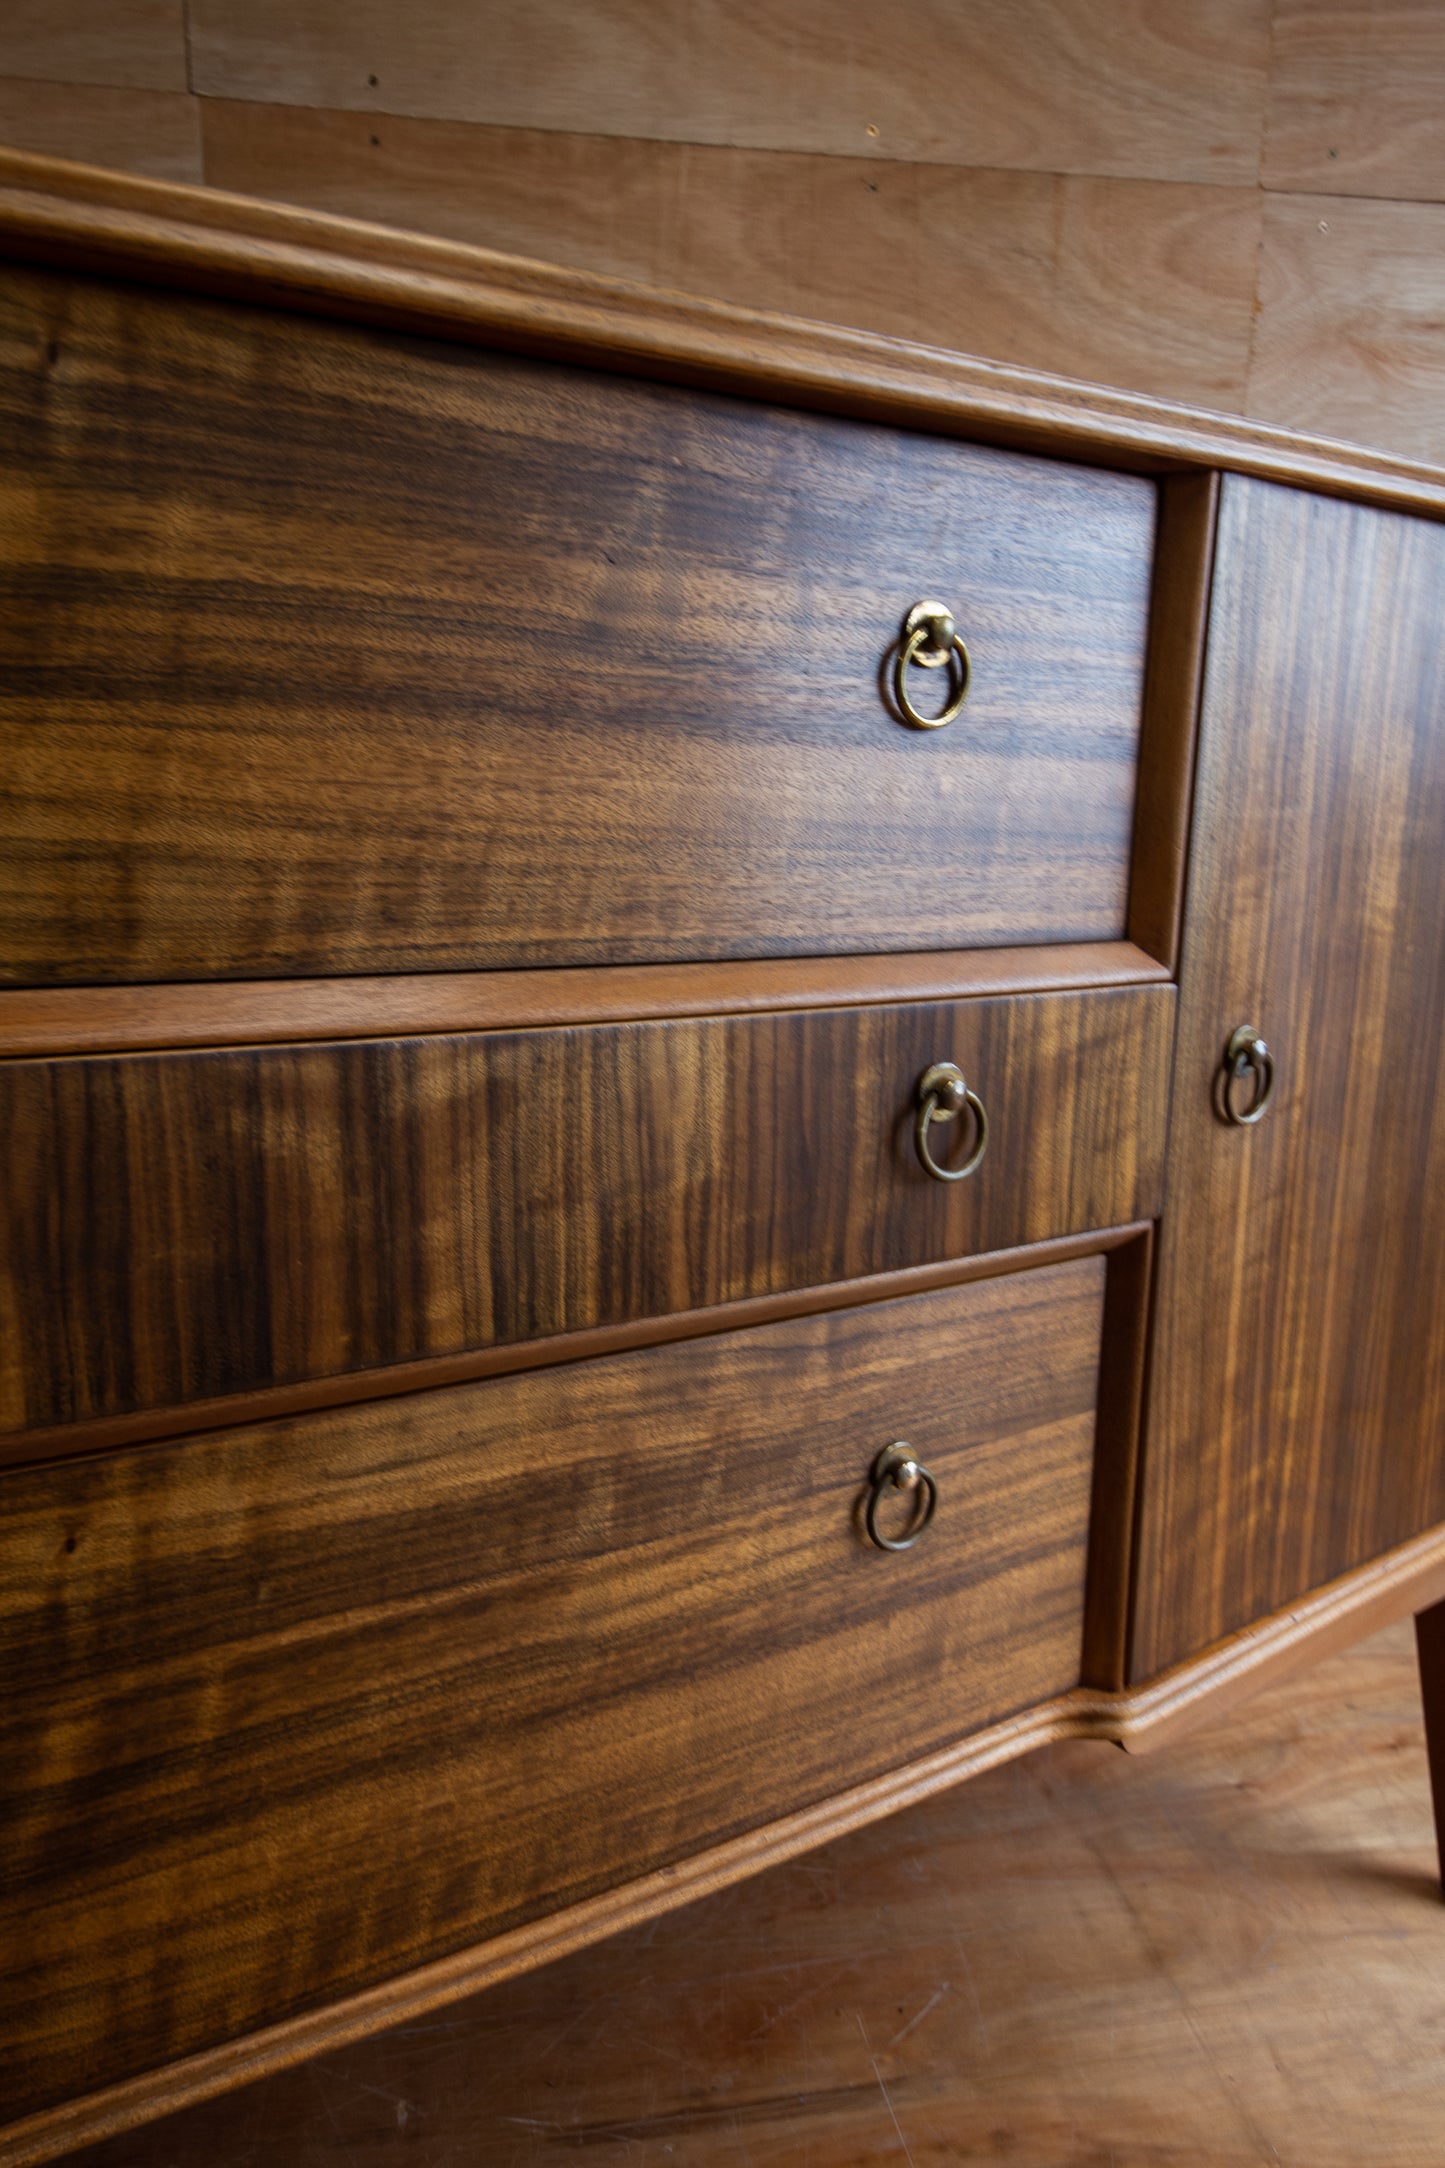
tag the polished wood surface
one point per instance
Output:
(106, 1433)
(206, 242)
(1069, 186)
(1298, 1386)
(300, 1706)
(1178, 628)
(1127, 1295)
(127, 1019)
(599, 684)
(180, 1226)
(1226, 1958)
(1141, 1718)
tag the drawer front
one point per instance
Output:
(328, 651)
(180, 1226)
(296, 1707)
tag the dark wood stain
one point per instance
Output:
(333, 651)
(1116, 1461)
(1298, 1394)
(180, 1226)
(1430, 1653)
(297, 1707)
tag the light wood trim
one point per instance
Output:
(54, 1020)
(148, 1426)
(1407, 1579)
(55, 212)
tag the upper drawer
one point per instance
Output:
(174, 1227)
(325, 650)
(312, 1702)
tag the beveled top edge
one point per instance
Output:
(203, 240)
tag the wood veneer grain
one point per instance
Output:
(598, 683)
(1085, 86)
(180, 1226)
(1122, 1371)
(157, 132)
(1143, 284)
(205, 241)
(1298, 1394)
(125, 1019)
(108, 1433)
(1178, 630)
(1349, 334)
(1355, 93)
(302, 1706)
(1386, 1590)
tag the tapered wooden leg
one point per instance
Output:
(1430, 1643)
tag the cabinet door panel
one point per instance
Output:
(1298, 1394)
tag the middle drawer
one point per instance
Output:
(183, 1226)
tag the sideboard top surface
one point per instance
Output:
(204, 240)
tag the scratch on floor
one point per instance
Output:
(932, 2003)
(888, 2104)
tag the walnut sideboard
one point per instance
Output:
(617, 1254)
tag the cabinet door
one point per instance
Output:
(1298, 1389)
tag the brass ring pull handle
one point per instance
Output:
(897, 1469)
(931, 639)
(942, 1094)
(1245, 1055)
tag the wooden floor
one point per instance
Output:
(1230, 1952)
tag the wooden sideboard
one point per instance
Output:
(502, 1429)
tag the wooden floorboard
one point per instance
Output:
(1228, 1953)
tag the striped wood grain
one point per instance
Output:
(330, 651)
(299, 1707)
(1298, 1384)
(182, 1226)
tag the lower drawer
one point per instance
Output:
(296, 1707)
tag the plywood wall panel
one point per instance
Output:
(129, 44)
(1143, 284)
(156, 132)
(1075, 86)
(1351, 334)
(1357, 98)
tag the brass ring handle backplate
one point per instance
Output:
(897, 1468)
(931, 639)
(943, 1092)
(1245, 1055)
